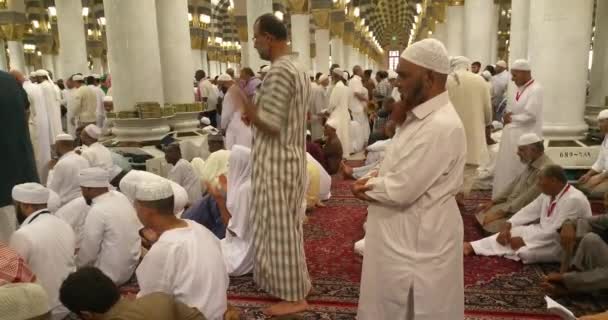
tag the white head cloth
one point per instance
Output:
(521, 65)
(131, 181)
(93, 131)
(429, 54)
(459, 63)
(224, 77)
(154, 190)
(501, 63)
(42, 73)
(205, 121)
(332, 122)
(603, 115)
(392, 75)
(77, 77)
(323, 77)
(486, 75)
(23, 300)
(94, 177)
(239, 189)
(64, 137)
(30, 193)
(337, 72)
(107, 99)
(528, 138)
(215, 165)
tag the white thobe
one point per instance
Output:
(358, 110)
(46, 244)
(324, 179)
(601, 164)
(209, 91)
(414, 229)
(39, 124)
(100, 112)
(85, 106)
(527, 117)
(52, 103)
(98, 156)
(187, 264)
(318, 102)
(500, 83)
(542, 239)
(471, 98)
(63, 179)
(75, 214)
(338, 110)
(183, 174)
(375, 151)
(110, 239)
(68, 101)
(237, 132)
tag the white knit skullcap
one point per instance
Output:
(323, 77)
(94, 177)
(521, 65)
(501, 63)
(30, 193)
(528, 138)
(224, 77)
(205, 121)
(459, 63)
(603, 115)
(429, 54)
(332, 122)
(77, 77)
(64, 137)
(107, 99)
(338, 72)
(23, 301)
(392, 75)
(265, 69)
(93, 131)
(154, 190)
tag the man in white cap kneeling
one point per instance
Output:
(595, 182)
(96, 153)
(110, 237)
(521, 238)
(186, 261)
(524, 189)
(45, 242)
(63, 177)
(414, 228)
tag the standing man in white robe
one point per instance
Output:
(100, 112)
(186, 259)
(237, 132)
(45, 242)
(414, 228)
(96, 153)
(338, 110)
(110, 238)
(523, 116)
(318, 101)
(182, 173)
(63, 177)
(520, 239)
(52, 102)
(358, 107)
(500, 83)
(85, 103)
(68, 101)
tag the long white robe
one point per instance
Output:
(470, 96)
(414, 229)
(338, 110)
(52, 103)
(75, 214)
(40, 125)
(526, 118)
(542, 239)
(318, 102)
(237, 132)
(183, 174)
(187, 264)
(100, 112)
(63, 179)
(358, 109)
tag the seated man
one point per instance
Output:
(595, 182)
(332, 148)
(522, 190)
(523, 239)
(585, 256)
(63, 177)
(90, 294)
(186, 261)
(183, 173)
(110, 238)
(96, 153)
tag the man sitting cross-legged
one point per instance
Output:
(522, 190)
(524, 239)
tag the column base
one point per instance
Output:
(184, 121)
(565, 131)
(572, 153)
(140, 130)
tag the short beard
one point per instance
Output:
(415, 96)
(19, 214)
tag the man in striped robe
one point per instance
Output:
(279, 170)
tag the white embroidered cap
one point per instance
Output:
(603, 115)
(94, 177)
(528, 138)
(64, 137)
(521, 65)
(154, 190)
(31, 193)
(429, 54)
(93, 131)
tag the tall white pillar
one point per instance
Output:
(204, 62)
(337, 51)
(256, 8)
(97, 65)
(58, 67)
(300, 40)
(245, 54)
(520, 21)
(599, 68)
(214, 68)
(197, 59)
(494, 35)
(346, 58)
(559, 35)
(3, 60)
(441, 32)
(174, 44)
(478, 17)
(48, 64)
(455, 30)
(16, 55)
(72, 42)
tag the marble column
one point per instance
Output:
(599, 68)
(478, 17)
(300, 40)
(559, 35)
(520, 21)
(441, 32)
(49, 64)
(73, 45)
(494, 35)
(3, 60)
(58, 66)
(197, 59)
(97, 65)
(337, 51)
(256, 8)
(455, 28)
(346, 57)
(204, 61)
(16, 55)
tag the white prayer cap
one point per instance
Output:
(107, 99)
(501, 63)
(429, 54)
(338, 72)
(64, 137)
(94, 177)
(77, 77)
(459, 63)
(31, 193)
(603, 115)
(265, 69)
(93, 131)
(308, 133)
(205, 121)
(528, 138)
(224, 77)
(521, 64)
(332, 122)
(23, 300)
(486, 75)
(42, 73)
(96, 76)
(154, 190)
(392, 75)
(323, 77)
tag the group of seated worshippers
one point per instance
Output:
(594, 183)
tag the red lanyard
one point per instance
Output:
(519, 93)
(554, 203)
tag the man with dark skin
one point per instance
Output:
(475, 67)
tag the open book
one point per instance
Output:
(559, 310)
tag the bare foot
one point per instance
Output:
(467, 249)
(286, 307)
(347, 171)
